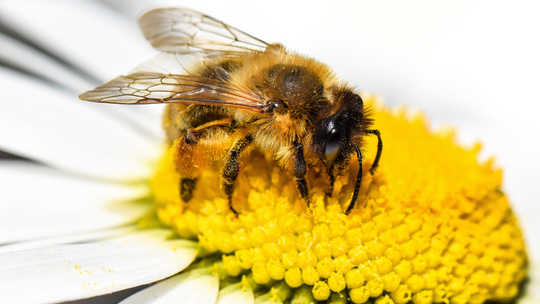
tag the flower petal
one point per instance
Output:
(67, 272)
(234, 294)
(38, 202)
(98, 40)
(193, 287)
(532, 289)
(31, 60)
(55, 128)
(73, 239)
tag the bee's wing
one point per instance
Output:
(182, 31)
(147, 87)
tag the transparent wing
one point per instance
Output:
(167, 63)
(147, 87)
(182, 31)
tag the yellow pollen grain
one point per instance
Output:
(354, 278)
(293, 277)
(307, 259)
(325, 267)
(287, 242)
(357, 255)
(260, 274)
(360, 295)
(231, 265)
(431, 225)
(343, 264)
(310, 275)
(290, 259)
(384, 300)
(402, 294)
(244, 258)
(323, 249)
(391, 281)
(337, 282)
(424, 297)
(321, 291)
(376, 287)
(275, 269)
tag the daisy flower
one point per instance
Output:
(97, 211)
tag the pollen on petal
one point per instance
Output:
(431, 225)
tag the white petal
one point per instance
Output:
(146, 119)
(528, 300)
(143, 236)
(234, 294)
(87, 34)
(29, 59)
(69, 272)
(37, 201)
(82, 237)
(58, 129)
(532, 290)
(194, 287)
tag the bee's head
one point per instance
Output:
(341, 129)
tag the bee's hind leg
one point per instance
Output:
(191, 153)
(189, 164)
(231, 168)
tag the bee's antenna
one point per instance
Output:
(358, 182)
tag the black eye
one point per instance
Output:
(332, 145)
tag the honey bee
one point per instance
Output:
(245, 94)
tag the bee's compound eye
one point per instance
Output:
(332, 145)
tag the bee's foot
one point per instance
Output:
(187, 186)
(232, 209)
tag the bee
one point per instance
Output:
(245, 94)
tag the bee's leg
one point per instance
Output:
(358, 182)
(360, 173)
(187, 185)
(189, 165)
(300, 172)
(332, 178)
(191, 154)
(229, 172)
(379, 150)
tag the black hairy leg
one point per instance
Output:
(300, 172)
(231, 168)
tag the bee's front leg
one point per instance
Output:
(332, 180)
(229, 172)
(300, 172)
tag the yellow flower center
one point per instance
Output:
(431, 226)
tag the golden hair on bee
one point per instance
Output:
(245, 94)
